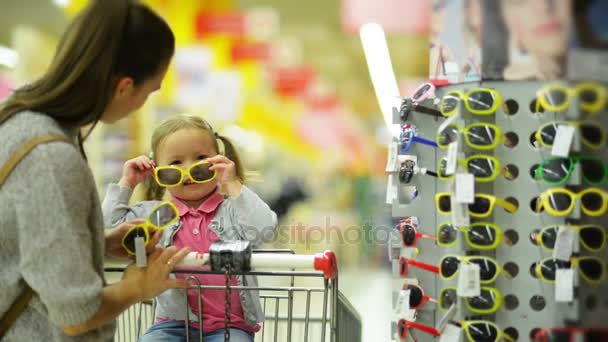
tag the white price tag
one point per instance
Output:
(403, 302)
(563, 141)
(460, 213)
(564, 243)
(464, 190)
(392, 188)
(469, 284)
(452, 158)
(564, 285)
(141, 259)
(451, 333)
(392, 164)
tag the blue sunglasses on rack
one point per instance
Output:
(408, 136)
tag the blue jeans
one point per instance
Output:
(176, 331)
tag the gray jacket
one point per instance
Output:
(246, 217)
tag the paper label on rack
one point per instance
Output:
(403, 302)
(393, 151)
(141, 259)
(564, 285)
(464, 190)
(452, 158)
(564, 243)
(392, 189)
(563, 141)
(469, 284)
(451, 333)
(460, 213)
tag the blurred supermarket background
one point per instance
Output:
(288, 81)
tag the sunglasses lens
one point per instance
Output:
(481, 167)
(162, 216)
(593, 237)
(593, 201)
(593, 170)
(448, 233)
(556, 170)
(415, 296)
(423, 90)
(555, 97)
(448, 136)
(129, 240)
(201, 172)
(548, 237)
(480, 206)
(482, 235)
(169, 176)
(482, 135)
(408, 234)
(560, 201)
(449, 103)
(445, 204)
(487, 268)
(588, 96)
(592, 134)
(485, 301)
(547, 134)
(449, 266)
(448, 297)
(549, 267)
(482, 332)
(481, 100)
(591, 268)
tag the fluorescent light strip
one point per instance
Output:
(8, 57)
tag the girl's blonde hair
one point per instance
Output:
(179, 122)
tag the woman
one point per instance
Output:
(111, 58)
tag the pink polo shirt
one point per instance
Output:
(196, 235)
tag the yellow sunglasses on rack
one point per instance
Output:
(487, 302)
(479, 101)
(482, 207)
(479, 235)
(479, 135)
(592, 237)
(557, 97)
(173, 175)
(561, 201)
(482, 331)
(592, 134)
(489, 270)
(161, 217)
(591, 269)
(484, 168)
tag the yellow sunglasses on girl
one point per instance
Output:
(561, 201)
(482, 207)
(173, 175)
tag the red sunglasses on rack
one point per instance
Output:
(569, 334)
(417, 296)
(410, 235)
(403, 326)
(405, 263)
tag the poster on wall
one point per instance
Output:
(525, 40)
(455, 45)
(588, 56)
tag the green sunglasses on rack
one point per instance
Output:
(557, 171)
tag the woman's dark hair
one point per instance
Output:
(108, 40)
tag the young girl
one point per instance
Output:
(213, 205)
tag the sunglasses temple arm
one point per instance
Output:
(427, 110)
(424, 266)
(424, 141)
(423, 328)
(428, 237)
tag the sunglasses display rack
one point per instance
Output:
(528, 302)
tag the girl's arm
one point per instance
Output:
(256, 221)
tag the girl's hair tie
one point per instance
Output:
(216, 134)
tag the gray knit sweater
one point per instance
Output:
(51, 235)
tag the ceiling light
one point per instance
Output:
(8, 57)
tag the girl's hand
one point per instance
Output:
(136, 170)
(150, 281)
(226, 174)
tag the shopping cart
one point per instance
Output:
(299, 296)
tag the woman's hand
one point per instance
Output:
(114, 237)
(226, 175)
(148, 282)
(136, 170)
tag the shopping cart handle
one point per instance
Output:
(327, 263)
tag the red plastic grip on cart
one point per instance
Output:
(404, 325)
(327, 263)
